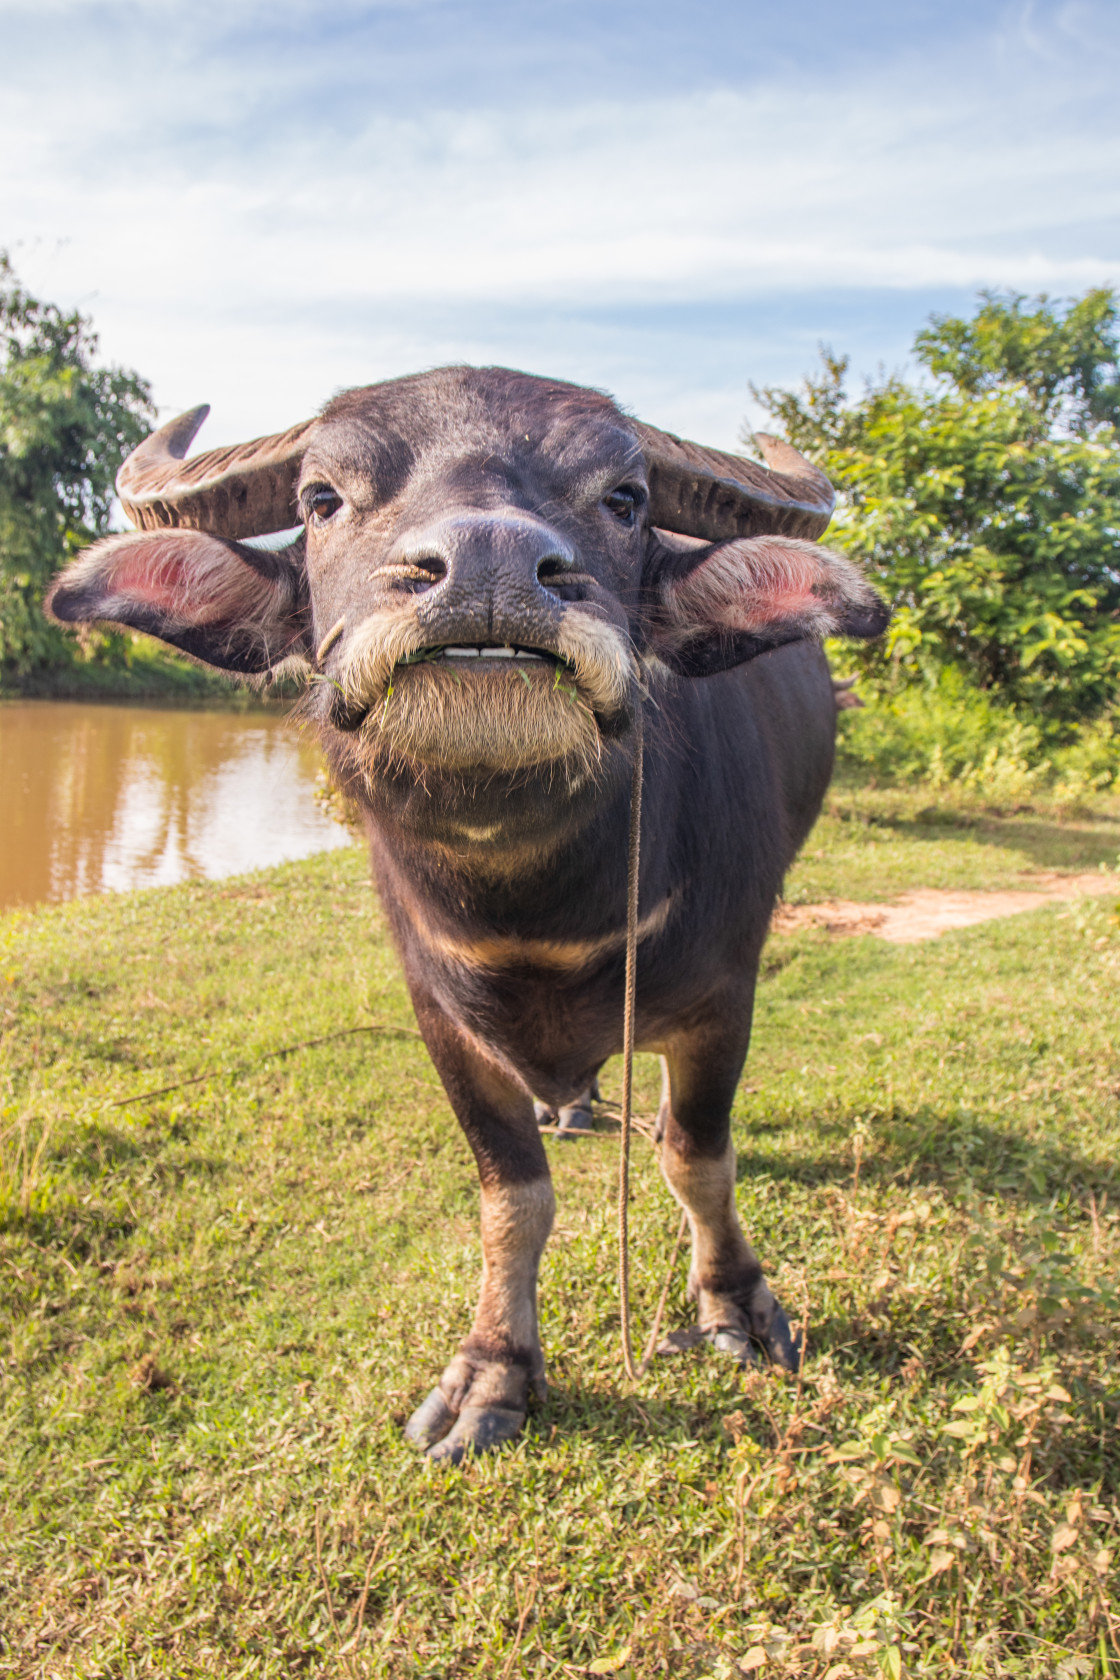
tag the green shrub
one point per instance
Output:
(985, 503)
(65, 427)
(947, 733)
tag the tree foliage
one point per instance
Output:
(986, 502)
(65, 427)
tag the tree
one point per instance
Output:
(986, 503)
(65, 427)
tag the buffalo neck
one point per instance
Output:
(528, 857)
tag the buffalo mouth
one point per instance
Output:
(459, 659)
(478, 707)
(467, 651)
(480, 703)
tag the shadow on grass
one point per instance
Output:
(599, 1411)
(956, 1152)
(68, 1229)
(1048, 845)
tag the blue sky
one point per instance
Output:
(262, 203)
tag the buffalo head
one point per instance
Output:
(484, 556)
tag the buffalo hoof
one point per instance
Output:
(780, 1344)
(430, 1422)
(448, 1437)
(737, 1343)
(477, 1430)
(571, 1121)
(777, 1342)
(576, 1118)
(480, 1404)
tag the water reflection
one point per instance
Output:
(103, 798)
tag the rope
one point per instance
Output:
(269, 1056)
(633, 862)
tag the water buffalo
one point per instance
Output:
(494, 571)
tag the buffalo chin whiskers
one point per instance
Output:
(479, 715)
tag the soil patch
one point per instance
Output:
(928, 912)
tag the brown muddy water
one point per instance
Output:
(102, 798)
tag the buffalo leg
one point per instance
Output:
(482, 1396)
(735, 1305)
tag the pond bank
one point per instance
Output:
(150, 672)
(103, 797)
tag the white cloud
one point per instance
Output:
(257, 233)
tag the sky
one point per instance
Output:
(260, 204)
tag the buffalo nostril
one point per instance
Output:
(554, 568)
(424, 571)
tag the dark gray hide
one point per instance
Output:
(482, 508)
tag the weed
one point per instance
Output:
(25, 1133)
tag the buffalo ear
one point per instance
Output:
(718, 605)
(241, 609)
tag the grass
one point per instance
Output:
(871, 843)
(218, 1306)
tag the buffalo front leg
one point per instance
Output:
(482, 1396)
(735, 1305)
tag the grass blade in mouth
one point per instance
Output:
(423, 656)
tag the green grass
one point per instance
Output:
(872, 843)
(219, 1305)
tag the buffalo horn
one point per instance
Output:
(247, 490)
(699, 492)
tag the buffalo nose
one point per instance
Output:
(494, 552)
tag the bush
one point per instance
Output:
(946, 733)
(986, 506)
(65, 427)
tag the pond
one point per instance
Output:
(101, 798)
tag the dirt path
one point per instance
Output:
(927, 912)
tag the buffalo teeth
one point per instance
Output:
(489, 653)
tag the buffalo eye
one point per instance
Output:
(623, 502)
(321, 502)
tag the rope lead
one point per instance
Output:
(633, 860)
